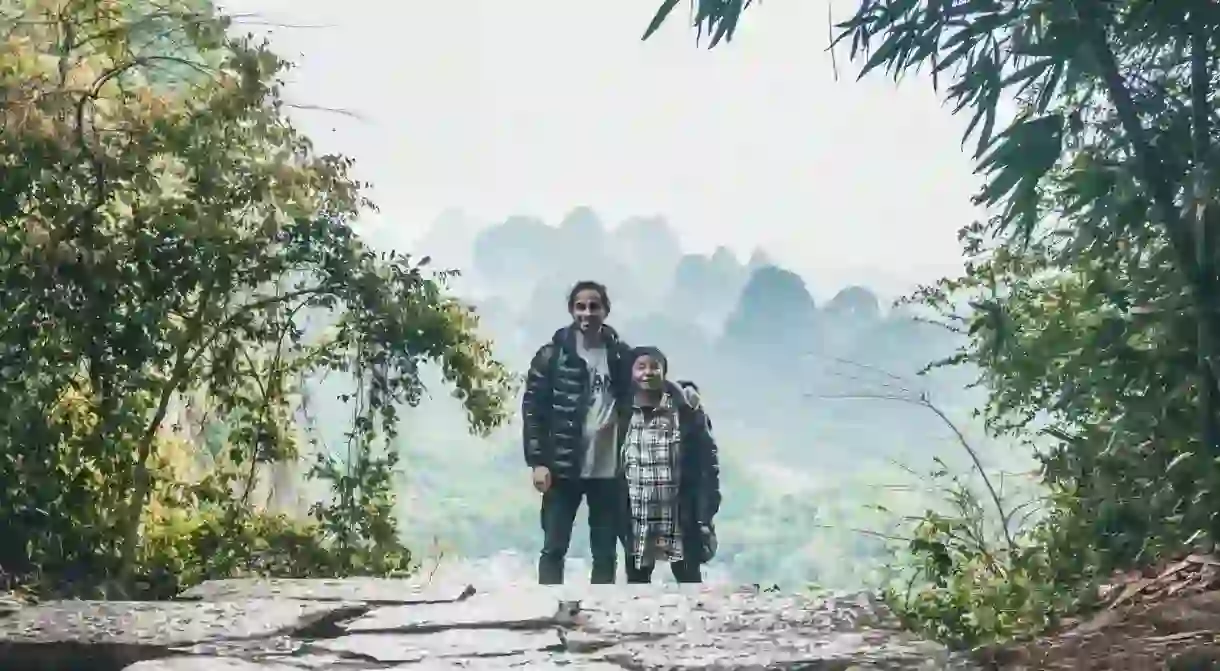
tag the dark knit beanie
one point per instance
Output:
(647, 350)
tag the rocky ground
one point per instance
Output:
(481, 618)
(421, 625)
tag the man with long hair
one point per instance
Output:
(574, 384)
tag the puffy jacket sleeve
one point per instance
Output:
(709, 469)
(535, 409)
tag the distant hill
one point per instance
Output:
(794, 386)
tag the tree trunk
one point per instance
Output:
(1189, 236)
(1205, 253)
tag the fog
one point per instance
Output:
(753, 210)
(816, 405)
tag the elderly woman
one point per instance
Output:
(670, 473)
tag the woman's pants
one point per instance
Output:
(686, 571)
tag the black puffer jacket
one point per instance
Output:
(557, 399)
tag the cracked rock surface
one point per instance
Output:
(374, 624)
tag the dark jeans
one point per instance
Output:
(559, 506)
(684, 571)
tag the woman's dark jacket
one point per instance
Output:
(557, 399)
(699, 472)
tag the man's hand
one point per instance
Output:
(542, 478)
(707, 536)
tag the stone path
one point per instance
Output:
(374, 624)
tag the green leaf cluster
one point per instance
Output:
(1090, 298)
(166, 239)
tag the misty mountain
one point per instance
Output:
(802, 394)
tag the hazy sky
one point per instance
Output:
(535, 106)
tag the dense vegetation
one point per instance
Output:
(181, 272)
(208, 371)
(1093, 288)
(166, 236)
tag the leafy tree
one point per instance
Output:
(1094, 288)
(1115, 98)
(165, 229)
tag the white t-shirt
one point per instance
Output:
(601, 453)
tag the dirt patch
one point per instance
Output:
(1166, 617)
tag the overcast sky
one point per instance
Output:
(534, 106)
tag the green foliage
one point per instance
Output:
(188, 549)
(1105, 393)
(1092, 292)
(965, 578)
(166, 233)
(360, 517)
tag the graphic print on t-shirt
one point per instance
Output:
(599, 381)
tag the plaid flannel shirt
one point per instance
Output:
(651, 458)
